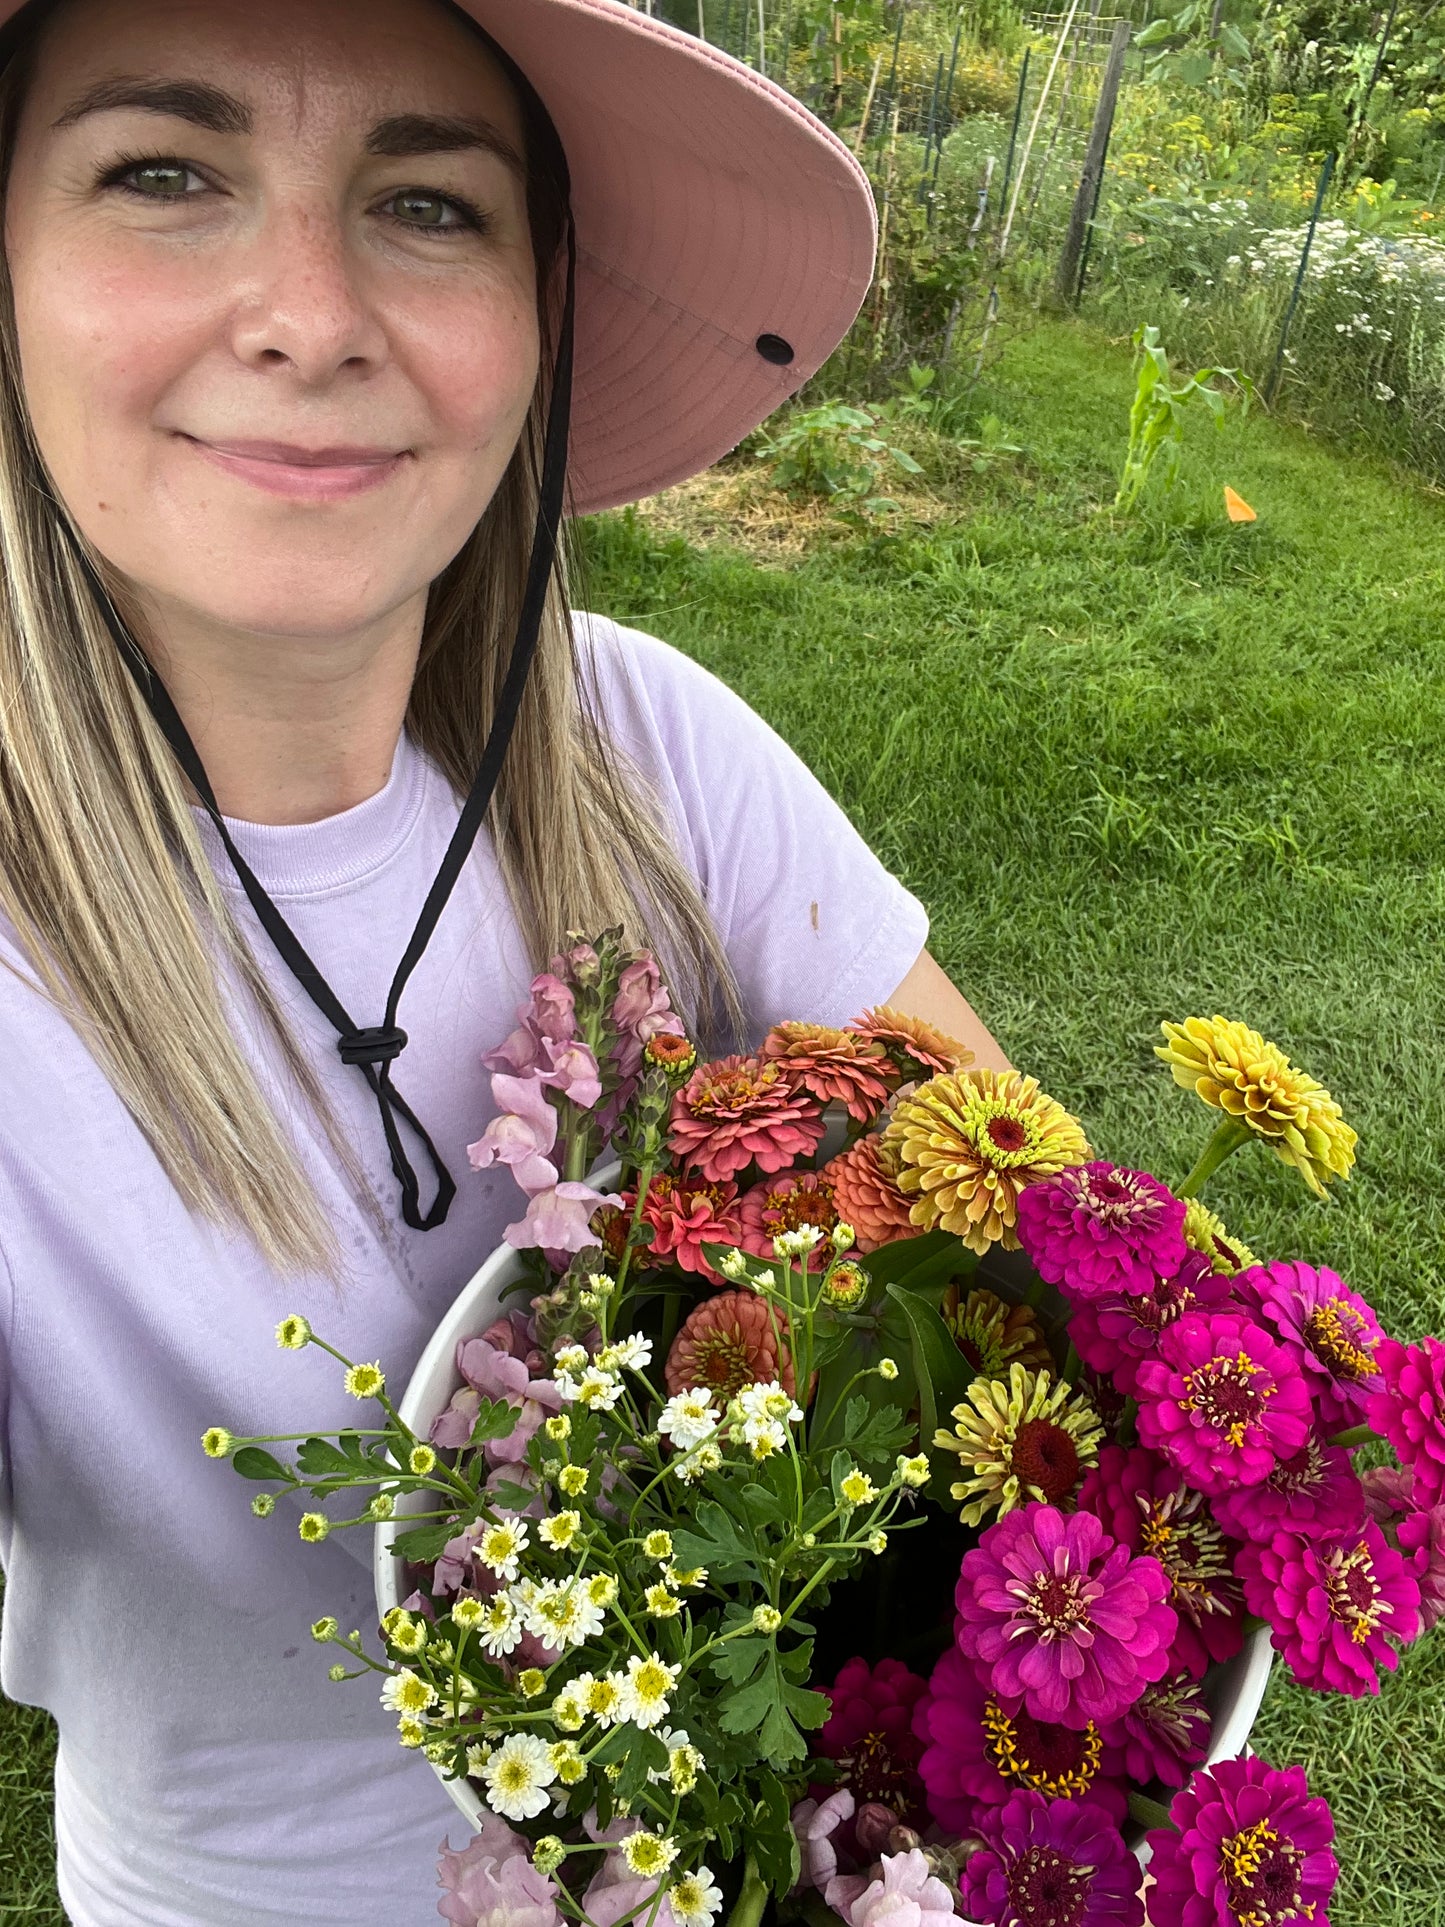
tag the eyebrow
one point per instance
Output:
(211, 107)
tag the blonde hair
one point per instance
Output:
(106, 880)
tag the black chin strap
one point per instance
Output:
(373, 1049)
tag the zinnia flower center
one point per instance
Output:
(1337, 1335)
(1044, 1455)
(1169, 1299)
(721, 1361)
(1354, 1593)
(1223, 1392)
(1058, 1603)
(875, 1773)
(1006, 1135)
(1054, 1760)
(1189, 1546)
(1110, 1199)
(787, 1210)
(727, 1093)
(1046, 1889)
(1300, 1470)
(1262, 1877)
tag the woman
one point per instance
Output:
(289, 326)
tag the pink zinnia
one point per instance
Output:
(1055, 1612)
(730, 1340)
(1247, 1844)
(979, 1750)
(1052, 1863)
(738, 1111)
(1145, 1504)
(686, 1213)
(835, 1066)
(1165, 1732)
(1336, 1606)
(1315, 1491)
(1098, 1228)
(1222, 1401)
(783, 1203)
(1334, 1331)
(869, 1733)
(1114, 1334)
(1409, 1409)
(1421, 1536)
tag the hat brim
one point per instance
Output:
(711, 209)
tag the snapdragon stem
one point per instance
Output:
(748, 1907)
(1226, 1138)
(1354, 1435)
(1149, 1813)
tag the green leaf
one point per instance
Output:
(496, 1419)
(252, 1463)
(774, 1843)
(424, 1543)
(738, 1660)
(320, 1459)
(1155, 34)
(718, 1545)
(509, 1498)
(944, 1374)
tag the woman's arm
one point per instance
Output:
(927, 993)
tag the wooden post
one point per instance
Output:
(868, 105)
(837, 64)
(1086, 196)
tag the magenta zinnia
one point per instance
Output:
(1252, 1850)
(1055, 1612)
(1145, 1505)
(1099, 1228)
(979, 1749)
(1165, 1732)
(737, 1111)
(869, 1732)
(1052, 1863)
(1116, 1333)
(1334, 1331)
(1338, 1607)
(1222, 1401)
(1315, 1491)
(1409, 1409)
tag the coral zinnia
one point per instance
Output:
(978, 1749)
(968, 1144)
(1336, 1606)
(1145, 1505)
(1208, 1234)
(1114, 1335)
(1025, 1437)
(1332, 1328)
(727, 1342)
(867, 1196)
(1052, 1863)
(1314, 1491)
(686, 1212)
(1099, 1228)
(1055, 1612)
(1222, 1401)
(836, 1066)
(1409, 1408)
(869, 1732)
(736, 1111)
(1233, 1068)
(783, 1203)
(913, 1044)
(1165, 1732)
(993, 1335)
(1249, 1847)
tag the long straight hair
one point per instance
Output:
(103, 873)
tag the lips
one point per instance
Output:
(302, 474)
(292, 455)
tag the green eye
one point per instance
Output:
(160, 179)
(427, 210)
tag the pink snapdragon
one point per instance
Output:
(492, 1882)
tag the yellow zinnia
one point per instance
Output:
(968, 1142)
(1253, 1082)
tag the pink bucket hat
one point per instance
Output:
(725, 238)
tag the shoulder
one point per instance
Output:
(643, 688)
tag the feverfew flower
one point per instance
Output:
(649, 1854)
(660, 1603)
(293, 1332)
(365, 1381)
(856, 1488)
(560, 1530)
(517, 1776)
(407, 1692)
(645, 1691)
(695, 1899)
(217, 1443)
(501, 1545)
(658, 1545)
(633, 1354)
(688, 1418)
(560, 1613)
(500, 1626)
(913, 1471)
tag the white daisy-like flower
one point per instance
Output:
(477, 1756)
(562, 1614)
(501, 1626)
(571, 1359)
(598, 1390)
(733, 1264)
(502, 1545)
(795, 1244)
(633, 1354)
(570, 1765)
(569, 1709)
(856, 1488)
(703, 1459)
(560, 1530)
(695, 1899)
(602, 1589)
(688, 1418)
(645, 1691)
(607, 1699)
(649, 1854)
(517, 1776)
(672, 1738)
(407, 1692)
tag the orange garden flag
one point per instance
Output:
(1235, 506)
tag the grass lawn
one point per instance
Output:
(1135, 772)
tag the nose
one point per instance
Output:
(304, 303)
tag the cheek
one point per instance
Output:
(474, 363)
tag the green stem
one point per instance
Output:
(1354, 1435)
(1148, 1813)
(1226, 1138)
(748, 1908)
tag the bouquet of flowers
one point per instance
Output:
(856, 1510)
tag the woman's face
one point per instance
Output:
(275, 297)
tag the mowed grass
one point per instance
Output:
(1135, 772)
(1141, 772)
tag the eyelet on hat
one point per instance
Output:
(773, 348)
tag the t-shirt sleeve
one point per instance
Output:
(812, 922)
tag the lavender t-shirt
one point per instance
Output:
(210, 1775)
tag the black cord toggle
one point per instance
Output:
(378, 1045)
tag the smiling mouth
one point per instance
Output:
(302, 474)
(288, 455)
